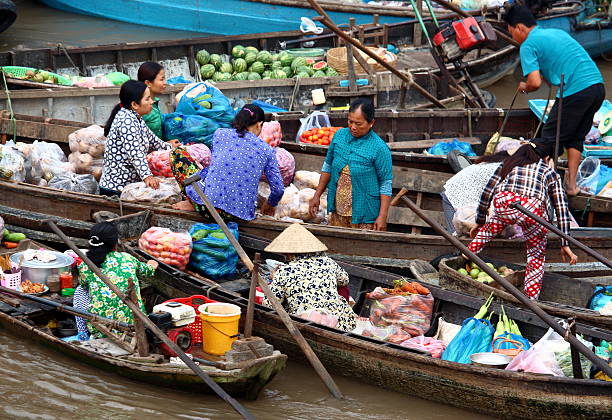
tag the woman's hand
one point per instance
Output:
(267, 209)
(313, 206)
(474, 231)
(151, 182)
(153, 264)
(380, 223)
(566, 253)
(174, 143)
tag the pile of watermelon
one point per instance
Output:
(249, 63)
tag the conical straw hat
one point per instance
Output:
(296, 239)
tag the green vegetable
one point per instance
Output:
(463, 271)
(200, 234)
(474, 273)
(218, 235)
(484, 308)
(5, 232)
(14, 237)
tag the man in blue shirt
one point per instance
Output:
(549, 53)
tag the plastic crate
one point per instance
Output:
(20, 73)
(195, 328)
(596, 151)
(537, 107)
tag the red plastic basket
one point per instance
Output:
(195, 328)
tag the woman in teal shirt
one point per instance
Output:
(154, 76)
(358, 171)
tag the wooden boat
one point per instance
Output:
(560, 295)
(29, 320)
(490, 391)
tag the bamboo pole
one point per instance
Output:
(408, 80)
(154, 328)
(276, 305)
(596, 360)
(248, 321)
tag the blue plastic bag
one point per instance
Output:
(605, 176)
(442, 148)
(507, 345)
(189, 128)
(601, 296)
(178, 80)
(475, 336)
(268, 107)
(213, 256)
(220, 109)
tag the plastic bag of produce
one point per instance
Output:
(12, 164)
(428, 344)
(189, 128)
(85, 183)
(201, 153)
(84, 163)
(117, 78)
(88, 140)
(316, 119)
(206, 101)
(33, 173)
(50, 151)
(271, 133)
(302, 209)
(446, 331)
(320, 316)
(588, 175)
(600, 297)
(213, 255)
(411, 312)
(306, 179)
(289, 201)
(393, 333)
(286, 164)
(561, 349)
(159, 163)
(169, 192)
(475, 336)
(172, 248)
(540, 358)
(90, 82)
(442, 148)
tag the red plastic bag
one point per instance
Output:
(169, 247)
(271, 133)
(428, 344)
(159, 163)
(411, 312)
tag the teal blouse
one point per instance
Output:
(369, 160)
(154, 120)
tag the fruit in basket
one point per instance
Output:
(463, 271)
(474, 272)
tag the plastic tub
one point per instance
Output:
(219, 326)
(12, 281)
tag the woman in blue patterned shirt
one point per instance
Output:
(358, 171)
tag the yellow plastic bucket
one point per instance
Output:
(219, 326)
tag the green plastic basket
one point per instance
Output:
(20, 73)
(314, 53)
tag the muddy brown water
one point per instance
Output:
(37, 383)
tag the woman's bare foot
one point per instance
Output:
(184, 205)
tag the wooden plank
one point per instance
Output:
(426, 143)
(419, 180)
(405, 216)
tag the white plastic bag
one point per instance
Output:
(316, 119)
(588, 175)
(540, 358)
(12, 163)
(169, 192)
(84, 163)
(90, 140)
(290, 201)
(306, 179)
(85, 183)
(446, 331)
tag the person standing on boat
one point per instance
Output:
(550, 53)
(92, 295)
(310, 280)
(239, 159)
(154, 76)
(358, 171)
(524, 178)
(129, 140)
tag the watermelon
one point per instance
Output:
(321, 65)
(287, 71)
(298, 62)
(306, 69)
(319, 73)
(250, 57)
(217, 76)
(265, 57)
(240, 65)
(202, 57)
(254, 76)
(276, 65)
(226, 68)
(238, 51)
(266, 78)
(215, 60)
(330, 71)
(242, 75)
(207, 71)
(251, 49)
(302, 74)
(310, 61)
(278, 74)
(225, 77)
(275, 57)
(257, 67)
(267, 74)
(285, 58)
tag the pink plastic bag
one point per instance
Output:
(159, 163)
(320, 317)
(286, 165)
(271, 133)
(428, 344)
(201, 153)
(540, 358)
(169, 247)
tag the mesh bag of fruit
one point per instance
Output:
(172, 248)
(408, 305)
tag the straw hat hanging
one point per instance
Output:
(296, 239)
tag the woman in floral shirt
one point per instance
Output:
(310, 280)
(94, 296)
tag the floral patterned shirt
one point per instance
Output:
(311, 282)
(118, 267)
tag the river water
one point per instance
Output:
(40, 384)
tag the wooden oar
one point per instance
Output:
(559, 232)
(295, 332)
(154, 328)
(596, 360)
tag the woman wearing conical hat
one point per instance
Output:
(310, 279)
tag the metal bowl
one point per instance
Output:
(37, 272)
(491, 360)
